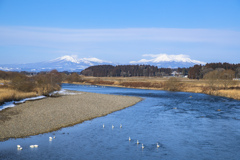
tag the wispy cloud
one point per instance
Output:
(47, 36)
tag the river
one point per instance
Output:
(185, 125)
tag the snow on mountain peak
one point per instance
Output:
(158, 58)
(92, 60)
(67, 58)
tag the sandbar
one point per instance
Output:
(50, 114)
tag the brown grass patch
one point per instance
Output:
(101, 82)
(136, 84)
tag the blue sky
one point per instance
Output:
(119, 30)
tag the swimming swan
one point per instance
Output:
(142, 146)
(34, 146)
(129, 139)
(158, 145)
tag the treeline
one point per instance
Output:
(214, 70)
(217, 70)
(130, 71)
(42, 83)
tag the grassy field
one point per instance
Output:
(217, 87)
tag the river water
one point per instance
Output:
(185, 125)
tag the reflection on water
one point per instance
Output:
(185, 127)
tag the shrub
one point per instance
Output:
(172, 84)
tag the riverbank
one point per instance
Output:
(215, 88)
(50, 114)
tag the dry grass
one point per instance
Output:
(235, 94)
(7, 94)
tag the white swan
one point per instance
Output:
(129, 139)
(18, 146)
(158, 145)
(31, 146)
(50, 138)
(112, 126)
(142, 146)
(137, 142)
(36, 146)
(120, 125)
(54, 137)
(103, 125)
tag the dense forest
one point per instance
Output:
(130, 71)
(201, 71)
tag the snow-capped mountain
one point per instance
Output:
(168, 61)
(72, 63)
(64, 63)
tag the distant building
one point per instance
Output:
(176, 74)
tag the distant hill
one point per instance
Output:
(73, 64)
(64, 63)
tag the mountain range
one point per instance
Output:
(74, 64)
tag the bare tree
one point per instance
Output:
(226, 77)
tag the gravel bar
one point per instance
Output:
(50, 114)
